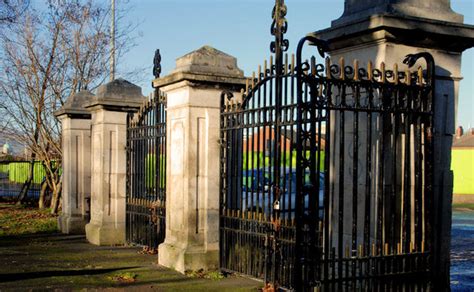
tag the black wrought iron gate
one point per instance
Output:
(326, 172)
(146, 174)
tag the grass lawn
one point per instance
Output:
(20, 220)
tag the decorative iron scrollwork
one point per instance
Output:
(279, 27)
(157, 64)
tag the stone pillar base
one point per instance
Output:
(105, 234)
(71, 224)
(182, 259)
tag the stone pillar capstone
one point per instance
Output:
(438, 10)
(386, 31)
(192, 193)
(109, 110)
(76, 140)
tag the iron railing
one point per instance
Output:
(326, 172)
(146, 174)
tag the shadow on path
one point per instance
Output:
(46, 274)
(68, 262)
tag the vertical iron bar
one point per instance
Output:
(394, 188)
(298, 278)
(355, 172)
(279, 27)
(327, 155)
(222, 184)
(368, 175)
(341, 206)
(127, 182)
(407, 178)
(418, 173)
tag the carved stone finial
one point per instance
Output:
(157, 64)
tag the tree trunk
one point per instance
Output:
(56, 196)
(44, 189)
(26, 186)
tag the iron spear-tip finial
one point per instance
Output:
(157, 64)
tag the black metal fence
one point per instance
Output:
(14, 174)
(146, 174)
(378, 163)
(326, 172)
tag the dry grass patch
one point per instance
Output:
(20, 220)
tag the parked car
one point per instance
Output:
(258, 194)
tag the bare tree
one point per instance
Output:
(46, 56)
(10, 10)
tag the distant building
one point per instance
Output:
(6, 149)
(462, 165)
(263, 140)
(5, 154)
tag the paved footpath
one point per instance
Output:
(67, 263)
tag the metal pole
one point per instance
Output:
(112, 42)
(278, 46)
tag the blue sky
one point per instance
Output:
(242, 28)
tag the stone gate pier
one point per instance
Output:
(109, 109)
(192, 206)
(76, 140)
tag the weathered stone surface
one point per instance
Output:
(181, 260)
(192, 190)
(69, 224)
(438, 10)
(119, 89)
(205, 67)
(75, 105)
(108, 154)
(105, 233)
(406, 30)
(76, 164)
(119, 95)
(208, 60)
